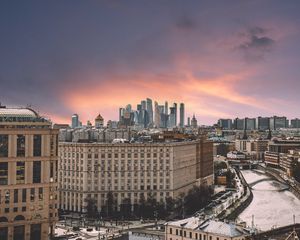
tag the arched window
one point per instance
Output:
(3, 219)
(19, 218)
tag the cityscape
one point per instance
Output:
(142, 120)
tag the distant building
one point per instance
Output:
(225, 123)
(239, 124)
(194, 122)
(181, 110)
(172, 117)
(75, 121)
(204, 229)
(278, 122)
(277, 146)
(287, 159)
(295, 123)
(263, 123)
(149, 109)
(99, 121)
(189, 121)
(250, 123)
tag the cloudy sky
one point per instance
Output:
(221, 58)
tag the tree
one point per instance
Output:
(110, 204)
(91, 208)
(125, 208)
(230, 179)
(197, 198)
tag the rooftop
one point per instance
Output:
(20, 116)
(211, 226)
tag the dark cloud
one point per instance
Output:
(186, 23)
(256, 44)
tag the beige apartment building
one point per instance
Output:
(130, 170)
(28, 182)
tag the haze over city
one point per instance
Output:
(221, 58)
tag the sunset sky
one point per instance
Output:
(223, 59)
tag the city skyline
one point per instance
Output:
(220, 59)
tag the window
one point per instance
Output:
(40, 194)
(21, 146)
(20, 172)
(7, 197)
(24, 195)
(16, 193)
(3, 173)
(32, 193)
(3, 145)
(36, 172)
(37, 145)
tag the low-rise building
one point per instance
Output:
(201, 229)
(277, 146)
(286, 160)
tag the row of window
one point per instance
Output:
(19, 232)
(197, 236)
(20, 195)
(21, 140)
(20, 172)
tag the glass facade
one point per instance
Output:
(36, 172)
(3, 173)
(3, 145)
(20, 172)
(21, 146)
(37, 145)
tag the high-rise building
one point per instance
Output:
(175, 107)
(189, 121)
(278, 122)
(156, 115)
(149, 110)
(28, 175)
(75, 121)
(295, 123)
(225, 123)
(250, 123)
(181, 110)
(239, 124)
(263, 123)
(172, 117)
(166, 108)
(121, 114)
(194, 123)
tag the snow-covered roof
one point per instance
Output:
(210, 226)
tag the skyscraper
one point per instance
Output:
(156, 115)
(75, 121)
(149, 109)
(181, 110)
(172, 117)
(175, 110)
(166, 108)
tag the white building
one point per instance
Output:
(201, 229)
